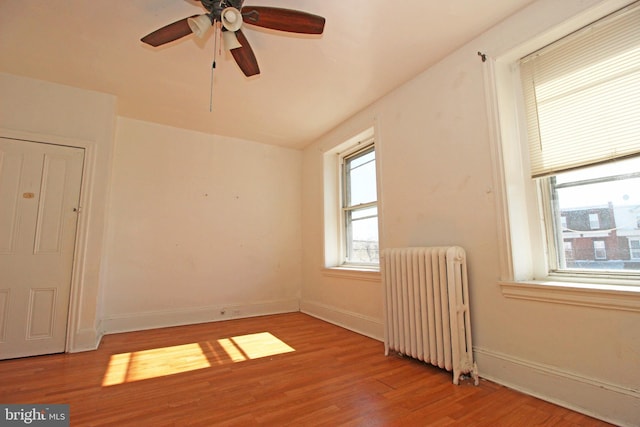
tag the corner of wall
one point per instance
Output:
(356, 322)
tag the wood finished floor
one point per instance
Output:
(289, 369)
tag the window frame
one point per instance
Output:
(332, 265)
(360, 149)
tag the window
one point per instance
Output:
(593, 204)
(350, 208)
(634, 248)
(599, 249)
(568, 250)
(582, 107)
(359, 206)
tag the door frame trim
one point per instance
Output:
(77, 339)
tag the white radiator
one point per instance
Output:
(426, 300)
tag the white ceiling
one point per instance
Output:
(307, 85)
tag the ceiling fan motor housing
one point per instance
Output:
(216, 7)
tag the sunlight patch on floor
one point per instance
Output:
(253, 346)
(163, 361)
(157, 362)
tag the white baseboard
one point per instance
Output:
(364, 325)
(167, 318)
(606, 401)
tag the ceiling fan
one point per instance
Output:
(232, 15)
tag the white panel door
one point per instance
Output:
(39, 196)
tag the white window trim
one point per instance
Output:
(361, 146)
(606, 296)
(333, 226)
(354, 273)
(523, 261)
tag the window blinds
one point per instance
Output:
(582, 95)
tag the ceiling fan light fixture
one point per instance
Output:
(200, 25)
(230, 40)
(231, 19)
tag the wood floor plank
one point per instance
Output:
(289, 369)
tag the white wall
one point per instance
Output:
(437, 187)
(183, 227)
(45, 112)
(201, 228)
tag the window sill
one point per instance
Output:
(606, 296)
(354, 273)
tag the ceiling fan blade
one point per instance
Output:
(168, 33)
(289, 20)
(244, 56)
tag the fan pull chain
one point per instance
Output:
(213, 65)
(219, 33)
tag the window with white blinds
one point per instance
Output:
(582, 96)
